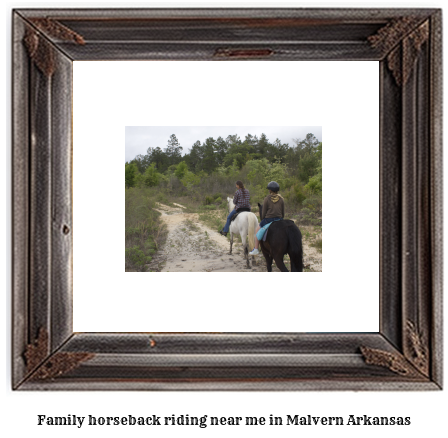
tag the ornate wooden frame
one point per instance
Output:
(406, 354)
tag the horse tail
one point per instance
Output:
(253, 222)
(295, 248)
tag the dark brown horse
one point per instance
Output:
(284, 237)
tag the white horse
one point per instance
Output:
(245, 225)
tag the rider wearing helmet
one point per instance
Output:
(273, 209)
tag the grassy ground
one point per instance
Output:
(145, 233)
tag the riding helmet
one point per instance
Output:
(273, 186)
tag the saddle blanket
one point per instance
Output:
(263, 232)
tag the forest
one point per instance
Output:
(202, 177)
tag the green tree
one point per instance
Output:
(130, 175)
(303, 159)
(194, 158)
(277, 151)
(142, 162)
(258, 171)
(209, 161)
(173, 150)
(221, 150)
(181, 170)
(315, 182)
(262, 147)
(151, 177)
(158, 158)
(190, 179)
(238, 152)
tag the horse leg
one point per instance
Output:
(279, 262)
(245, 247)
(268, 258)
(231, 243)
(246, 256)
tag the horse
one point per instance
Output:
(245, 225)
(284, 237)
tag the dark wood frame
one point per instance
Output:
(406, 354)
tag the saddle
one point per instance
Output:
(241, 210)
(284, 223)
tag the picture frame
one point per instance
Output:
(406, 353)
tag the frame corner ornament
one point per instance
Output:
(37, 351)
(401, 40)
(418, 350)
(39, 48)
(397, 363)
(41, 366)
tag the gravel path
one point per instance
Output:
(193, 247)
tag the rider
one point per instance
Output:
(273, 209)
(241, 202)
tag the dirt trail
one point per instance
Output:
(312, 258)
(193, 247)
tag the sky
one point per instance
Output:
(140, 138)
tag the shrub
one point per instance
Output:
(313, 203)
(310, 217)
(181, 170)
(131, 175)
(135, 257)
(208, 200)
(314, 185)
(143, 229)
(190, 179)
(151, 176)
(162, 198)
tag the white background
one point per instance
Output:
(427, 409)
(342, 97)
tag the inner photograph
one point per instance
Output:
(223, 199)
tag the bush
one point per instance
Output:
(162, 198)
(314, 185)
(151, 177)
(313, 203)
(208, 200)
(310, 217)
(136, 258)
(295, 194)
(181, 170)
(143, 229)
(131, 175)
(190, 179)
